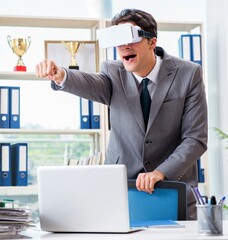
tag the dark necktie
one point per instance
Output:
(145, 101)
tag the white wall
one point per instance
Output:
(166, 10)
(66, 8)
(183, 10)
(217, 48)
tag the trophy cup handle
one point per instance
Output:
(29, 42)
(9, 40)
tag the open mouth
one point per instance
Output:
(129, 57)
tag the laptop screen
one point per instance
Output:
(87, 198)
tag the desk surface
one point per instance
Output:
(189, 232)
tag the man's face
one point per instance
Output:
(139, 57)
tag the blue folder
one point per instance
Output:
(5, 165)
(4, 107)
(14, 107)
(156, 223)
(151, 202)
(95, 114)
(85, 118)
(185, 47)
(190, 47)
(196, 48)
(19, 164)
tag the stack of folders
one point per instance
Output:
(9, 107)
(89, 114)
(13, 164)
(94, 159)
(190, 47)
(14, 218)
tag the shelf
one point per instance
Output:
(8, 75)
(56, 22)
(47, 22)
(178, 26)
(48, 131)
(18, 191)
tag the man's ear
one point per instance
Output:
(153, 42)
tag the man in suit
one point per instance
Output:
(175, 135)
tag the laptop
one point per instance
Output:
(89, 198)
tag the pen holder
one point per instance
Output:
(210, 220)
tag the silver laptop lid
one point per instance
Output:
(90, 198)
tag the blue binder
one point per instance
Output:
(5, 166)
(95, 115)
(201, 178)
(14, 107)
(111, 53)
(19, 164)
(4, 107)
(196, 48)
(85, 119)
(185, 47)
(190, 47)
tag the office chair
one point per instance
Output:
(167, 202)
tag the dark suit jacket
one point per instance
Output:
(177, 128)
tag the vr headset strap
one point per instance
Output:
(145, 34)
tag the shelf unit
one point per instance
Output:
(98, 137)
(14, 76)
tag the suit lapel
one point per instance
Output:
(132, 95)
(165, 78)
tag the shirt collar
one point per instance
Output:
(153, 75)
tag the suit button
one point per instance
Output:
(148, 141)
(146, 163)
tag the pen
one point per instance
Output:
(195, 195)
(201, 201)
(221, 201)
(213, 200)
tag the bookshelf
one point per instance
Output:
(97, 140)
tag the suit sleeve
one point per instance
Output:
(96, 87)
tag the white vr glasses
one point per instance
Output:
(121, 35)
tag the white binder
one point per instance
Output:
(5, 165)
(14, 107)
(4, 107)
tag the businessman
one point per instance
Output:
(164, 142)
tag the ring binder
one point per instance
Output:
(5, 166)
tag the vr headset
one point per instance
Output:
(121, 35)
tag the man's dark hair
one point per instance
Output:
(139, 17)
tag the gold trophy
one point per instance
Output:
(72, 47)
(19, 47)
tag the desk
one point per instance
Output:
(189, 232)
